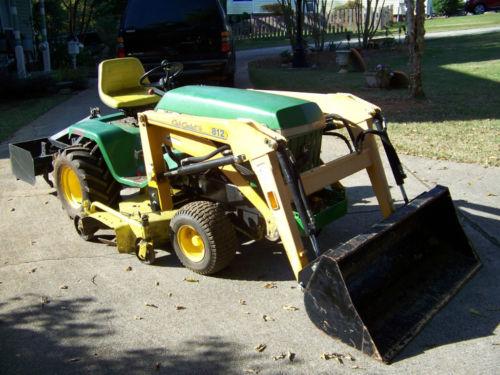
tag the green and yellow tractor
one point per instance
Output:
(200, 168)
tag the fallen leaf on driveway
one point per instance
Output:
(150, 305)
(179, 307)
(338, 357)
(290, 308)
(278, 357)
(251, 371)
(191, 280)
(260, 348)
(268, 318)
(12, 209)
(128, 269)
(170, 295)
(491, 195)
(349, 357)
(270, 286)
(291, 356)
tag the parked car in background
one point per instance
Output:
(481, 6)
(193, 32)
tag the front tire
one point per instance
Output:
(80, 174)
(203, 237)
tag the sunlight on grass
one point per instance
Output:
(462, 141)
(459, 120)
(489, 71)
(462, 22)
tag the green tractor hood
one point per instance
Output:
(279, 113)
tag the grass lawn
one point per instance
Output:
(462, 22)
(459, 120)
(16, 114)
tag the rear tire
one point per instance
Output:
(80, 173)
(203, 237)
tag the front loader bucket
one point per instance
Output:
(376, 291)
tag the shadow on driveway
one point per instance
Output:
(53, 339)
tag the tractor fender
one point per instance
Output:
(120, 146)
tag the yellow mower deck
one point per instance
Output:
(133, 223)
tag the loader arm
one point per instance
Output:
(198, 136)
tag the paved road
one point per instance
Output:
(68, 306)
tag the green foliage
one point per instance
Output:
(350, 4)
(275, 9)
(447, 7)
(78, 77)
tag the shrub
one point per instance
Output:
(447, 7)
(78, 78)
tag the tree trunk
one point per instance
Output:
(415, 18)
(299, 54)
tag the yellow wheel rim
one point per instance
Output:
(191, 243)
(70, 187)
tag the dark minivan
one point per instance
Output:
(194, 32)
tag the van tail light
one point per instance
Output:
(120, 48)
(225, 41)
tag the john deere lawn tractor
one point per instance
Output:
(201, 167)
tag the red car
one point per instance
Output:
(481, 6)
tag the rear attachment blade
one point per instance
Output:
(377, 291)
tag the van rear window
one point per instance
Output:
(152, 13)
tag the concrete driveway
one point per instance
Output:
(69, 306)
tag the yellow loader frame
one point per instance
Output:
(254, 143)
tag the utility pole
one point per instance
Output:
(44, 46)
(299, 55)
(19, 51)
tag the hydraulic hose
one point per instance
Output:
(199, 159)
(299, 197)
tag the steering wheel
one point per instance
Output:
(171, 69)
